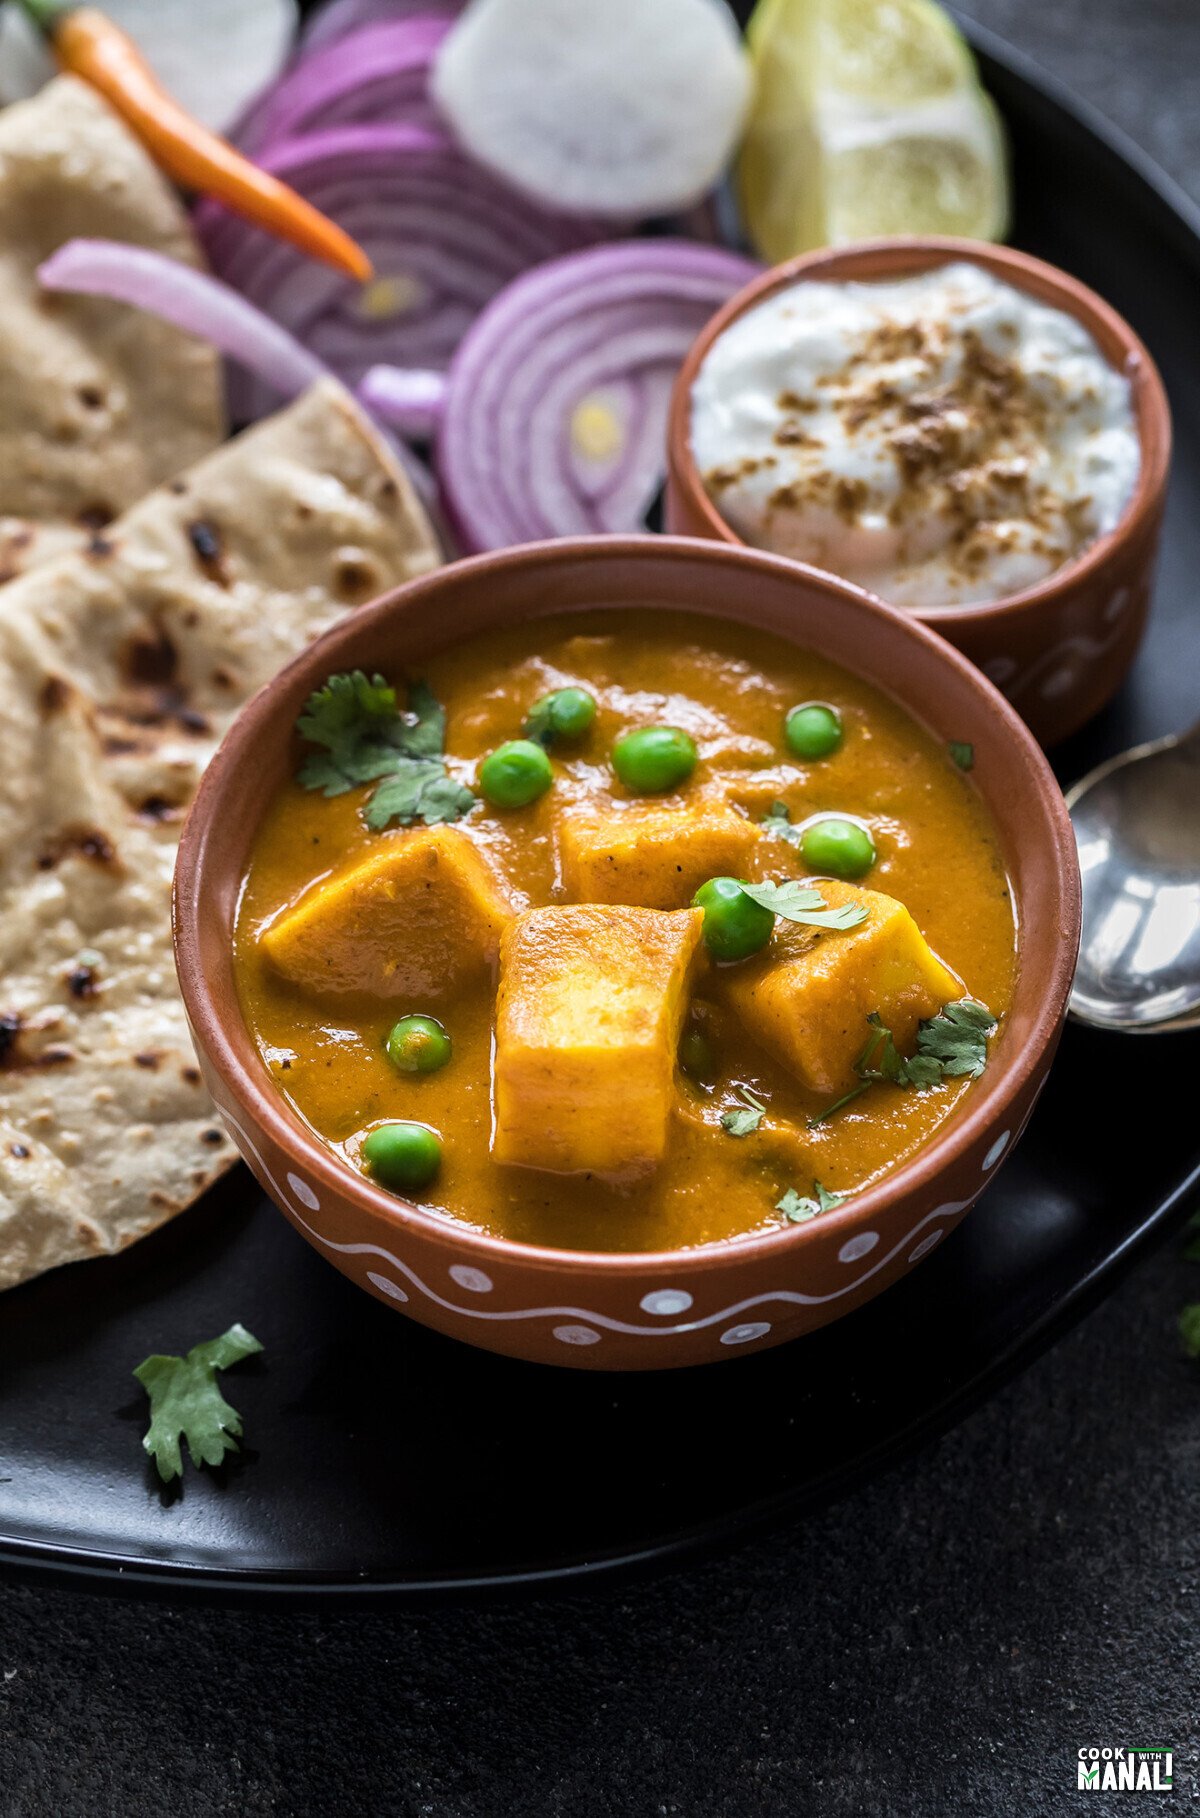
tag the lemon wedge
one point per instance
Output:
(868, 119)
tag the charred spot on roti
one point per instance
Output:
(158, 808)
(212, 1136)
(190, 1075)
(354, 578)
(150, 659)
(86, 842)
(209, 551)
(82, 981)
(53, 695)
(221, 678)
(18, 1151)
(15, 1053)
(91, 397)
(149, 1057)
(97, 515)
(162, 1200)
(178, 487)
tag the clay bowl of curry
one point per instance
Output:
(626, 953)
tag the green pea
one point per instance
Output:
(653, 759)
(735, 926)
(813, 730)
(695, 1054)
(567, 714)
(404, 1157)
(837, 848)
(515, 774)
(418, 1044)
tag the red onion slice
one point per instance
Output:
(341, 17)
(413, 400)
(443, 235)
(192, 300)
(378, 73)
(556, 403)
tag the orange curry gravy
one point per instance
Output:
(730, 687)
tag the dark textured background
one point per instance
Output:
(942, 1643)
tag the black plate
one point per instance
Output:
(381, 1458)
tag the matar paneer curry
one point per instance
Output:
(624, 931)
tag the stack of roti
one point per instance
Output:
(121, 666)
(98, 403)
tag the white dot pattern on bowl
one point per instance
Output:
(857, 1247)
(385, 1286)
(926, 1244)
(996, 1151)
(304, 1192)
(746, 1334)
(576, 1335)
(666, 1301)
(473, 1280)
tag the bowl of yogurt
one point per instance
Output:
(957, 428)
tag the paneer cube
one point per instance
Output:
(417, 917)
(807, 996)
(592, 998)
(652, 856)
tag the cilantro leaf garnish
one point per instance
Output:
(186, 1404)
(847, 1098)
(420, 790)
(741, 1122)
(956, 1040)
(365, 736)
(797, 902)
(797, 1209)
(950, 1045)
(962, 753)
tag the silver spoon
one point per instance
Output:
(1137, 827)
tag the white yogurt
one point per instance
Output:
(939, 439)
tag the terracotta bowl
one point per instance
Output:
(1059, 650)
(605, 1311)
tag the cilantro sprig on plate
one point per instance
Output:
(186, 1403)
(365, 737)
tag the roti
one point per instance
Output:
(121, 666)
(98, 402)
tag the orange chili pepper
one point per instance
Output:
(90, 46)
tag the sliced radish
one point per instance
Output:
(613, 107)
(214, 56)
